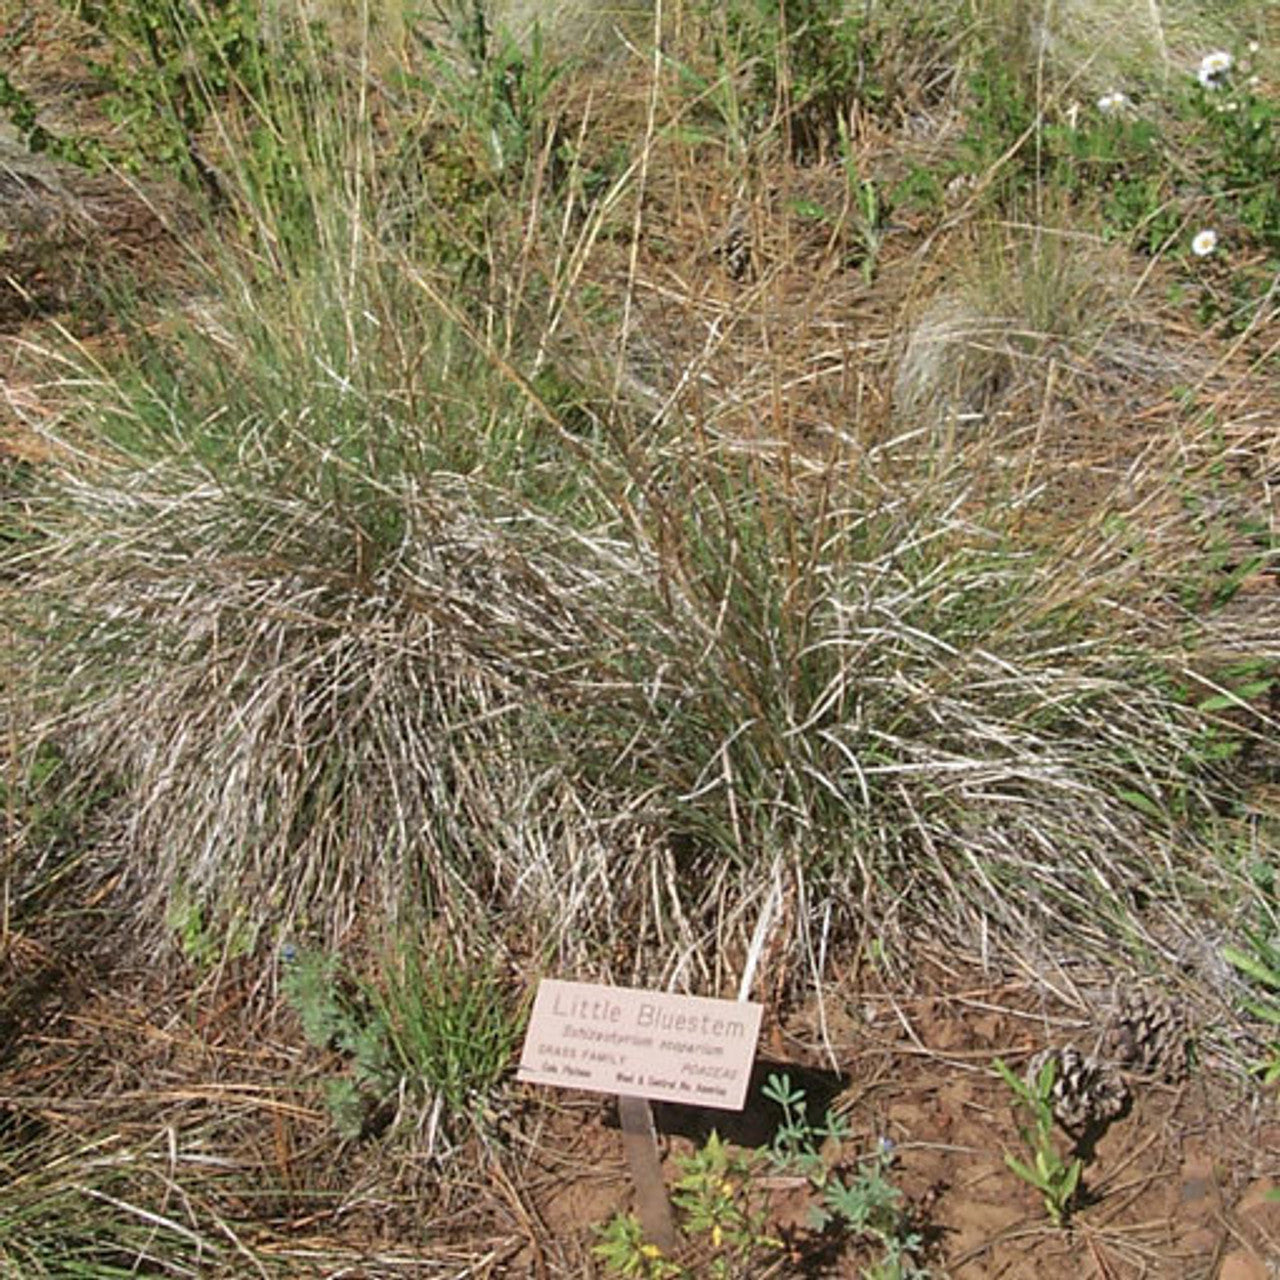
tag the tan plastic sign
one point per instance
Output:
(645, 1044)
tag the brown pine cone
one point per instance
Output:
(1086, 1092)
(1148, 1035)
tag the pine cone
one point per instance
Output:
(1086, 1092)
(734, 250)
(733, 245)
(1148, 1035)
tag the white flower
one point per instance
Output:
(1213, 69)
(1254, 46)
(1205, 243)
(1113, 102)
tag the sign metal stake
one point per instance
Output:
(640, 1141)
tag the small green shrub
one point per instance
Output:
(438, 1027)
(1000, 120)
(1056, 1179)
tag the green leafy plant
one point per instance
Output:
(1260, 962)
(864, 1203)
(1117, 158)
(625, 1252)
(440, 1026)
(712, 1194)
(484, 99)
(1000, 118)
(868, 1204)
(336, 1015)
(1056, 1179)
(797, 1141)
(496, 86)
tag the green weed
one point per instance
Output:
(439, 1028)
(797, 1141)
(864, 1203)
(713, 1196)
(1057, 1180)
(202, 943)
(168, 72)
(623, 1250)
(805, 64)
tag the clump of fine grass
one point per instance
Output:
(898, 697)
(299, 594)
(353, 618)
(76, 1207)
(425, 1044)
(1043, 312)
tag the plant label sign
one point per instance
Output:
(643, 1044)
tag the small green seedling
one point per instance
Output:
(714, 1200)
(1056, 1180)
(625, 1252)
(797, 1142)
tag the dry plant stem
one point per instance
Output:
(9, 853)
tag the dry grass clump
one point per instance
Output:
(367, 597)
(294, 722)
(1034, 321)
(1080, 48)
(331, 669)
(97, 1205)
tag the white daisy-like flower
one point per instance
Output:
(1205, 243)
(1214, 68)
(1111, 103)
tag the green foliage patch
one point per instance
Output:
(438, 1026)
